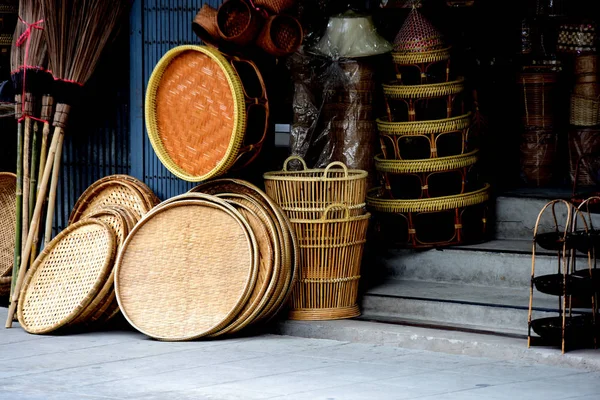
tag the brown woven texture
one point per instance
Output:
(281, 35)
(195, 112)
(586, 64)
(114, 190)
(275, 6)
(238, 22)
(205, 24)
(537, 98)
(8, 187)
(176, 279)
(538, 155)
(584, 147)
(585, 111)
(286, 235)
(330, 258)
(66, 276)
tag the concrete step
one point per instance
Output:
(502, 263)
(474, 308)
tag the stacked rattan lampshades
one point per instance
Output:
(431, 194)
(327, 212)
(8, 186)
(207, 263)
(71, 283)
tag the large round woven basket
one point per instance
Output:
(177, 280)
(66, 276)
(198, 112)
(331, 251)
(8, 186)
(306, 193)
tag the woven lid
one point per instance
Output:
(66, 276)
(113, 190)
(195, 112)
(8, 186)
(417, 35)
(177, 280)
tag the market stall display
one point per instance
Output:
(431, 193)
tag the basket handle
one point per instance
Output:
(335, 164)
(339, 206)
(292, 158)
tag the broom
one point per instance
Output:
(76, 33)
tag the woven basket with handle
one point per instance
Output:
(281, 35)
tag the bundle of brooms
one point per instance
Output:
(76, 32)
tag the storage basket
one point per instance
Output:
(307, 193)
(280, 36)
(8, 218)
(205, 25)
(331, 250)
(538, 98)
(585, 111)
(238, 22)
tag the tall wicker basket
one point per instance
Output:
(331, 250)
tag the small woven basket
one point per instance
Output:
(275, 6)
(306, 194)
(585, 111)
(205, 25)
(238, 22)
(280, 36)
(331, 251)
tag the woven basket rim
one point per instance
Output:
(239, 113)
(107, 267)
(284, 175)
(439, 164)
(442, 203)
(250, 281)
(431, 56)
(430, 90)
(415, 128)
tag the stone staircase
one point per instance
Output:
(481, 288)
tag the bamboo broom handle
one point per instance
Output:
(26, 175)
(57, 140)
(19, 207)
(52, 196)
(35, 156)
(42, 164)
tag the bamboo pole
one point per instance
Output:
(57, 141)
(19, 194)
(35, 156)
(26, 176)
(52, 196)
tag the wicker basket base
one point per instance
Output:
(323, 314)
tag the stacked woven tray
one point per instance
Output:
(430, 193)
(71, 283)
(8, 183)
(326, 209)
(207, 263)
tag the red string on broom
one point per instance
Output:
(26, 38)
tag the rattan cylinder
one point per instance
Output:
(586, 64)
(537, 98)
(331, 250)
(585, 111)
(238, 22)
(8, 186)
(306, 193)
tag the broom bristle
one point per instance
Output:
(77, 32)
(30, 11)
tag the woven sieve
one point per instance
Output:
(106, 192)
(8, 186)
(288, 238)
(177, 280)
(195, 112)
(66, 276)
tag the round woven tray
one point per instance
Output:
(8, 186)
(428, 165)
(425, 127)
(376, 203)
(424, 91)
(411, 58)
(287, 237)
(114, 190)
(177, 280)
(66, 276)
(195, 112)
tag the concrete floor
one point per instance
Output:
(127, 365)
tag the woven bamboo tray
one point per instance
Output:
(66, 276)
(290, 256)
(118, 190)
(176, 280)
(8, 187)
(330, 258)
(426, 57)
(198, 112)
(428, 91)
(428, 165)
(308, 192)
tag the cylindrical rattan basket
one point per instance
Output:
(538, 98)
(306, 194)
(585, 111)
(331, 251)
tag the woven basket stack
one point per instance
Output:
(71, 283)
(585, 100)
(326, 208)
(207, 263)
(431, 195)
(8, 217)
